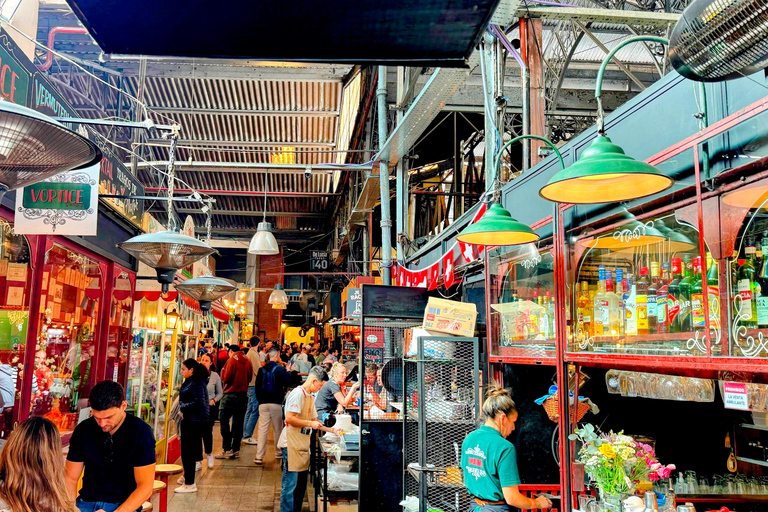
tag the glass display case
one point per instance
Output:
(521, 290)
(15, 282)
(745, 251)
(637, 288)
(66, 341)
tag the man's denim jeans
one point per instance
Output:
(294, 486)
(251, 414)
(93, 506)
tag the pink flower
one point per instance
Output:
(671, 466)
(653, 477)
(664, 472)
(655, 466)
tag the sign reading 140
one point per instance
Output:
(318, 260)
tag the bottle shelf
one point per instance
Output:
(753, 461)
(754, 427)
(722, 498)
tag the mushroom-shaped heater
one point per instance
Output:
(206, 289)
(166, 252)
(34, 147)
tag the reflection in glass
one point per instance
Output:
(522, 301)
(639, 291)
(65, 368)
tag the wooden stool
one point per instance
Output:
(158, 486)
(146, 507)
(162, 473)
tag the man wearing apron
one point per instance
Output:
(300, 419)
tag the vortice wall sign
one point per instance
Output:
(64, 204)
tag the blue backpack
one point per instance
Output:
(268, 383)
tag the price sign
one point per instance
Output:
(735, 396)
(318, 260)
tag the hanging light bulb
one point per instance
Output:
(263, 242)
(278, 295)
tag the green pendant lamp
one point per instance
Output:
(604, 174)
(497, 227)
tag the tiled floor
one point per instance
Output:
(232, 485)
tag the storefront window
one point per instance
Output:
(179, 357)
(639, 290)
(119, 342)
(522, 308)
(70, 300)
(15, 282)
(747, 272)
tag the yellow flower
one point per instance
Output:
(607, 450)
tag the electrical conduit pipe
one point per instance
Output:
(46, 65)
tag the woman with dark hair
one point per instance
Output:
(194, 405)
(215, 394)
(32, 469)
(489, 461)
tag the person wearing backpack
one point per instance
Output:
(272, 382)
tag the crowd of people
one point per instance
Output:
(263, 386)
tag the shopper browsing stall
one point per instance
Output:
(215, 394)
(489, 461)
(331, 399)
(271, 384)
(193, 402)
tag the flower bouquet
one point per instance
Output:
(616, 463)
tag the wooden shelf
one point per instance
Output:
(753, 461)
(754, 427)
(722, 498)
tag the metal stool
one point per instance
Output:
(163, 472)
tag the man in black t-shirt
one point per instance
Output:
(117, 452)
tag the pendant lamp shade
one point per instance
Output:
(166, 251)
(632, 234)
(750, 196)
(604, 174)
(675, 242)
(497, 227)
(278, 295)
(34, 147)
(206, 289)
(263, 242)
(279, 306)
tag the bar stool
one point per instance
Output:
(163, 472)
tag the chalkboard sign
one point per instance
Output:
(373, 355)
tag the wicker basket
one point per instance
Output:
(552, 406)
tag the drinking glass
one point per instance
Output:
(703, 485)
(717, 485)
(612, 381)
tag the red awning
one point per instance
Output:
(154, 296)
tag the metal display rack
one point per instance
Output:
(441, 407)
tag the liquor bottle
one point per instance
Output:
(543, 319)
(746, 286)
(684, 317)
(713, 287)
(653, 315)
(585, 312)
(614, 320)
(630, 311)
(549, 301)
(600, 306)
(673, 296)
(764, 243)
(533, 317)
(641, 302)
(697, 298)
(620, 287)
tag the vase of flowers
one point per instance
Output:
(616, 463)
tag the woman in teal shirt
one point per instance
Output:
(489, 461)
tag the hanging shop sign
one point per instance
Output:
(319, 260)
(354, 303)
(64, 204)
(373, 356)
(21, 82)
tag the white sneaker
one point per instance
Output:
(210, 460)
(250, 440)
(181, 480)
(186, 488)
(198, 466)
